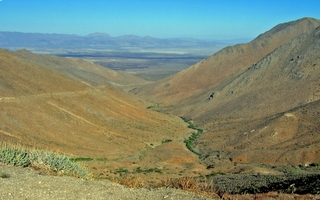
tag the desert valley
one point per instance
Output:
(248, 109)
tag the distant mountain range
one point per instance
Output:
(95, 40)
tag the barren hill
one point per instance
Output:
(43, 108)
(253, 99)
(81, 70)
(19, 77)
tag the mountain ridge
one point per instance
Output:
(223, 65)
(95, 40)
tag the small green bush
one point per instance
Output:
(121, 171)
(150, 170)
(16, 157)
(81, 159)
(166, 141)
(4, 175)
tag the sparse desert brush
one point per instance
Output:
(184, 183)
(16, 155)
(193, 184)
(60, 164)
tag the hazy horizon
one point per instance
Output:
(209, 20)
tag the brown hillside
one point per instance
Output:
(284, 79)
(224, 65)
(253, 113)
(243, 97)
(45, 109)
(19, 77)
(82, 70)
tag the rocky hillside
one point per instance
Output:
(271, 110)
(258, 102)
(223, 66)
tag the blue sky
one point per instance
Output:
(206, 19)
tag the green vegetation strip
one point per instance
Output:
(122, 171)
(61, 164)
(190, 140)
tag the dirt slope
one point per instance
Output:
(28, 184)
(82, 70)
(20, 77)
(223, 66)
(45, 109)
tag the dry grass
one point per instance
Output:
(131, 181)
(191, 184)
(184, 183)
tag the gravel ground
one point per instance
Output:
(25, 183)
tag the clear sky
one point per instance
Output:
(207, 19)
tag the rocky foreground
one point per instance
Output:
(24, 183)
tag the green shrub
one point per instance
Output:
(18, 156)
(14, 156)
(121, 171)
(190, 140)
(153, 106)
(57, 163)
(139, 170)
(81, 159)
(4, 175)
(166, 141)
(189, 143)
(185, 119)
(150, 170)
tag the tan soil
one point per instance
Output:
(24, 183)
